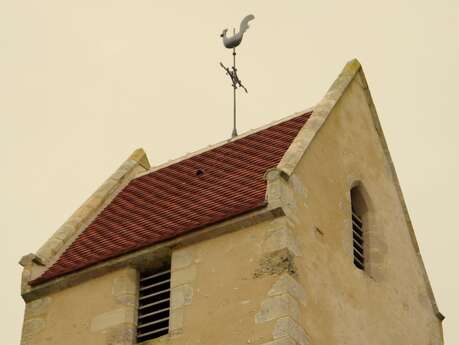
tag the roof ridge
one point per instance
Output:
(224, 142)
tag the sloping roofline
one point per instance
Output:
(36, 263)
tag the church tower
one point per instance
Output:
(292, 234)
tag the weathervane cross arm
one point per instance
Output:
(237, 80)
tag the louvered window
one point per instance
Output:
(154, 305)
(358, 240)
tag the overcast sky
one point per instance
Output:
(83, 83)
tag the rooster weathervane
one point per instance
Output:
(231, 43)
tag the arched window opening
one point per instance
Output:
(359, 209)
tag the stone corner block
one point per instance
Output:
(181, 258)
(30, 259)
(183, 276)
(125, 283)
(140, 156)
(112, 318)
(276, 263)
(181, 296)
(279, 238)
(277, 307)
(282, 341)
(176, 321)
(286, 327)
(33, 326)
(288, 285)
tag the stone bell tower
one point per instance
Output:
(296, 233)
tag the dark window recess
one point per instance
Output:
(154, 305)
(358, 241)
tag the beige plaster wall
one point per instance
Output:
(98, 311)
(217, 292)
(389, 303)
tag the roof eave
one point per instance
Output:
(262, 213)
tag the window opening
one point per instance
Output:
(154, 304)
(358, 241)
(359, 210)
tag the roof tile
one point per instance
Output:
(210, 187)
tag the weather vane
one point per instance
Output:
(231, 43)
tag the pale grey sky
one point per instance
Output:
(82, 84)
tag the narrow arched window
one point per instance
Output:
(359, 209)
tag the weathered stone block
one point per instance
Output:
(124, 334)
(181, 296)
(183, 276)
(125, 284)
(112, 318)
(286, 327)
(282, 341)
(176, 320)
(33, 326)
(64, 231)
(275, 263)
(287, 284)
(37, 307)
(277, 307)
(181, 258)
(51, 247)
(280, 238)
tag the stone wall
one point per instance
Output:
(391, 301)
(99, 311)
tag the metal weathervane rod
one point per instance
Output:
(231, 43)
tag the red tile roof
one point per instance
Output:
(209, 187)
